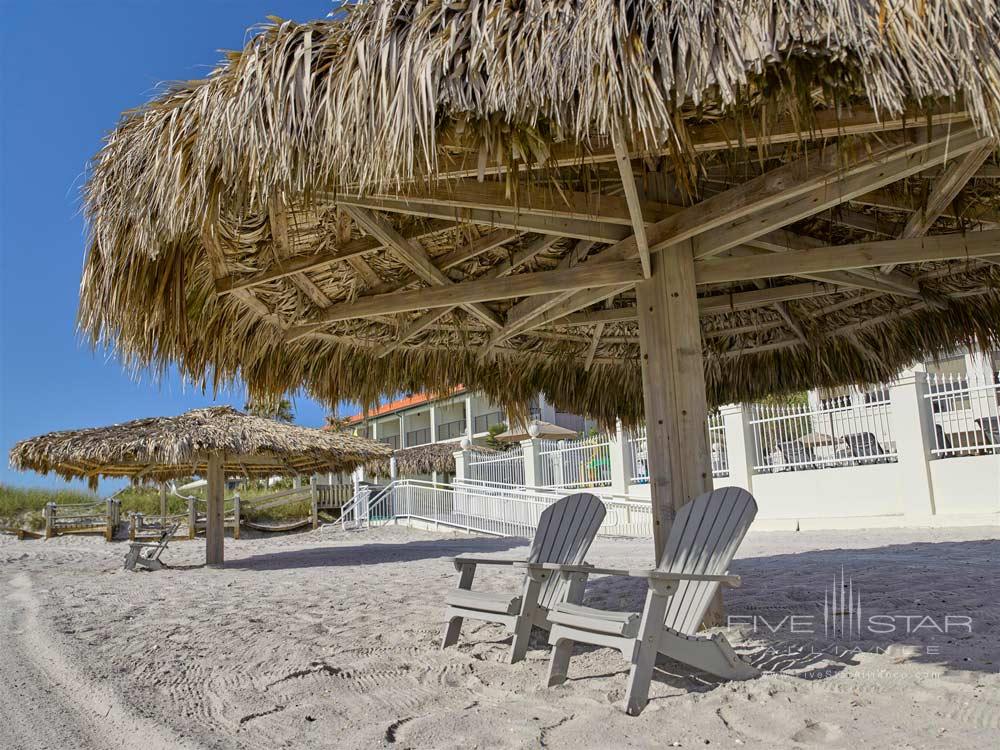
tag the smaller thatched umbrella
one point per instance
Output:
(211, 442)
(545, 430)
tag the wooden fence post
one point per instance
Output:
(314, 501)
(236, 516)
(109, 511)
(133, 524)
(49, 512)
(192, 519)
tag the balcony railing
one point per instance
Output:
(451, 430)
(392, 441)
(418, 437)
(483, 422)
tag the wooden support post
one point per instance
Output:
(50, 520)
(673, 385)
(236, 516)
(192, 519)
(163, 502)
(133, 525)
(214, 539)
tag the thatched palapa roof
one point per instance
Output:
(162, 448)
(420, 194)
(420, 459)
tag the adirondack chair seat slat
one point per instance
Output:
(563, 535)
(485, 601)
(597, 620)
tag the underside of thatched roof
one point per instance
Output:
(422, 194)
(160, 448)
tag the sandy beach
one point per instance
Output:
(330, 639)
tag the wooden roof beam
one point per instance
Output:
(520, 285)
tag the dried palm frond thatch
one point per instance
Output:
(203, 204)
(160, 448)
(420, 459)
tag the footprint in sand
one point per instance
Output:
(818, 733)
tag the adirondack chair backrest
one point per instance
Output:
(703, 539)
(565, 530)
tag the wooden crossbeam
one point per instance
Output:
(712, 304)
(416, 258)
(477, 247)
(421, 324)
(520, 285)
(305, 262)
(846, 257)
(894, 201)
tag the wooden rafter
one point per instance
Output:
(305, 262)
(632, 199)
(416, 258)
(946, 189)
(280, 235)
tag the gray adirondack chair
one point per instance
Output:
(147, 554)
(702, 542)
(564, 534)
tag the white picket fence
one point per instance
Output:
(966, 414)
(793, 437)
(495, 510)
(572, 464)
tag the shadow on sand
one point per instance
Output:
(374, 554)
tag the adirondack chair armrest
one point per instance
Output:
(143, 544)
(657, 575)
(567, 568)
(461, 562)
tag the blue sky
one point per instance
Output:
(67, 71)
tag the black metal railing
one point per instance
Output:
(392, 441)
(483, 422)
(418, 437)
(451, 430)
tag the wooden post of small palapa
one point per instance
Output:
(110, 520)
(192, 518)
(236, 516)
(215, 515)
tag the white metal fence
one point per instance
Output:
(585, 462)
(506, 468)
(717, 445)
(966, 414)
(840, 433)
(500, 511)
